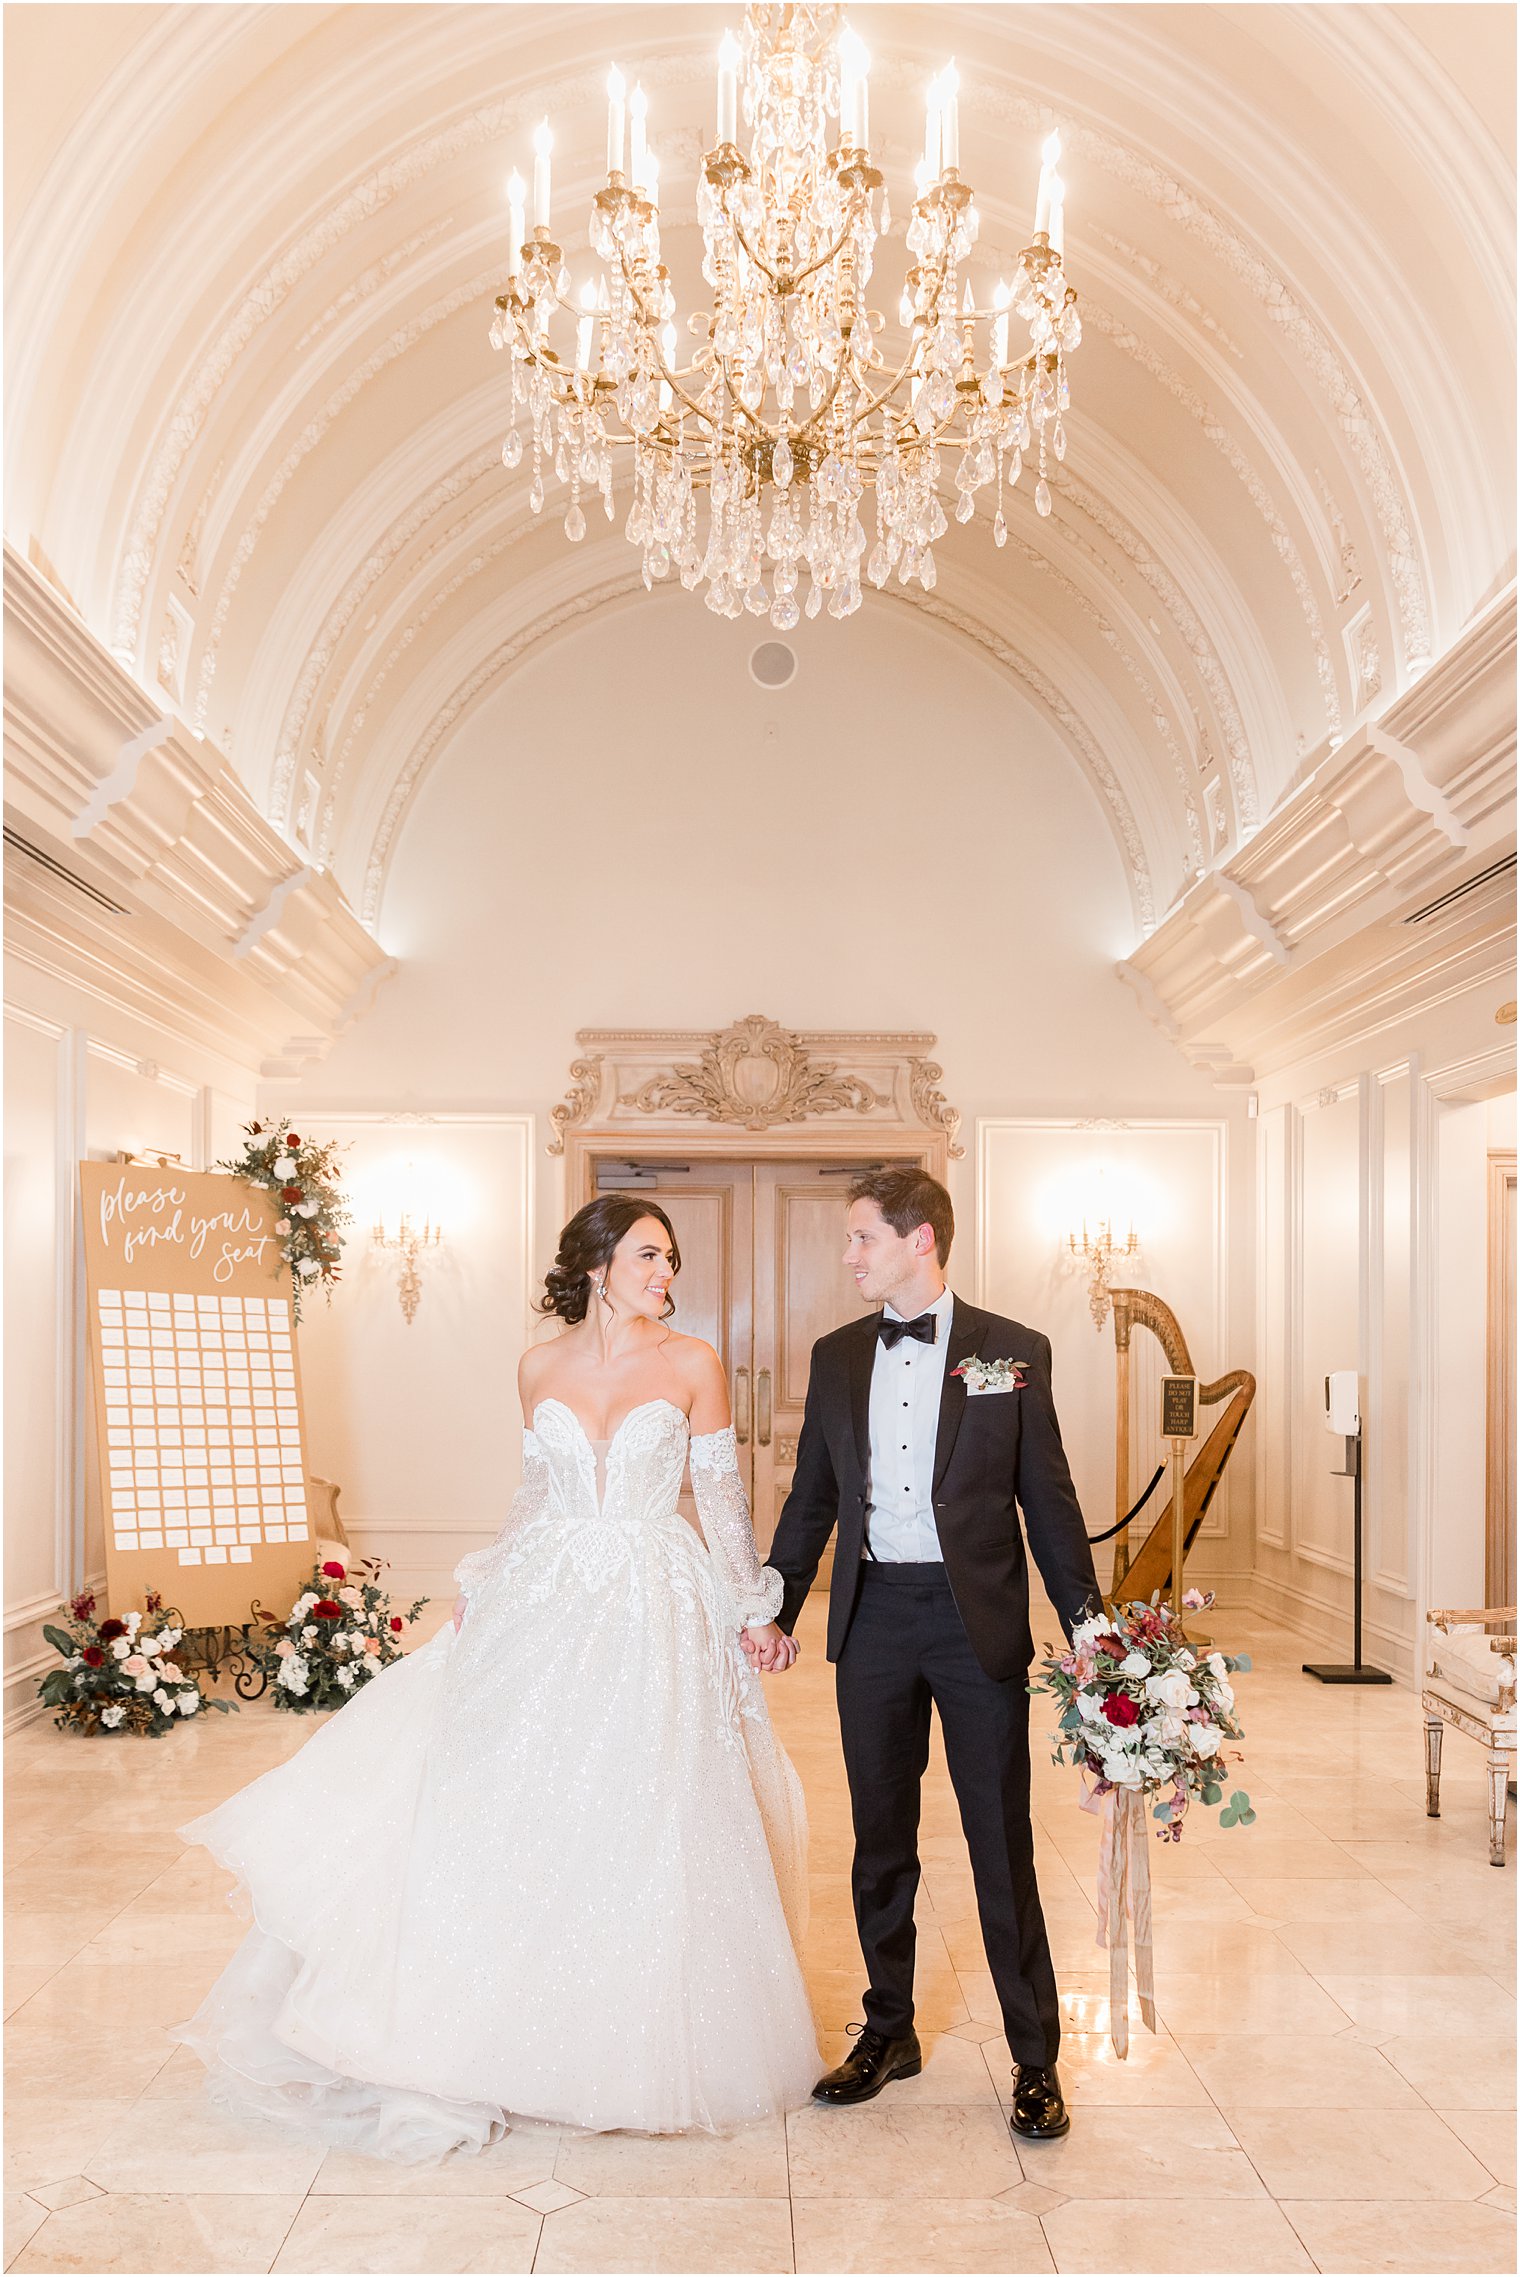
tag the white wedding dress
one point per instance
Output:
(554, 1865)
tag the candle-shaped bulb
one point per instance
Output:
(932, 157)
(1000, 300)
(516, 231)
(922, 177)
(638, 112)
(1057, 222)
(668, 345)
(949, 118)
(543, 143)
(651, 178)
(583, 324)
(617, 89)
(729, 53)
(854, 64)
(1050, 149)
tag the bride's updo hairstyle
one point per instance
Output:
(585, 1251)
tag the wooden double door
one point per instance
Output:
(762, 1278)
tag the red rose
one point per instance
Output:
(326, 1610)
(291, 1139)
(290, 1193)
(396, 1621)
(92, 1656)
(338, 1572)
(1118, 1707)
(110, 1629)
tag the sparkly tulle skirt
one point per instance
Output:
(553, 1866)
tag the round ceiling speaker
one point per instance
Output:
(773, 664)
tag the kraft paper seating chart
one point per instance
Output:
(197, 1392)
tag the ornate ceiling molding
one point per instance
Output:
(635, 1085)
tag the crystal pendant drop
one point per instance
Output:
(1059, 440)
(814, 601)
(536, 494)
(1015, 468)
(1042, 497)
(781, 464)
(575, 523)
(785, 613)
(1000, 529)
(512, 449)
(965, 506)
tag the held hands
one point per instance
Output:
(769, 1648)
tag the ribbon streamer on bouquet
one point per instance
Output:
(1124, 1904)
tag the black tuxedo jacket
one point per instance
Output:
(994, 1456)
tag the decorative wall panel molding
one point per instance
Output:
(632, 1086)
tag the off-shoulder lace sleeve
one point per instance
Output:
(724, 1511)
(528, 1504)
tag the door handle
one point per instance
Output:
(741, 1406)
(763, 1408)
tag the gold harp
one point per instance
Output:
(1138, 1444)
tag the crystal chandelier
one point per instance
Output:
(796, 401)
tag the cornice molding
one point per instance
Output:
(124, 793)
(1300, 939)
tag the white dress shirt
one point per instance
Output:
(905, 1393)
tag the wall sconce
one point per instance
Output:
(409, 1242)
(1100, 1247)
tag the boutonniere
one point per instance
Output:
(992, 1375)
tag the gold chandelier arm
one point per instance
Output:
(800, 276)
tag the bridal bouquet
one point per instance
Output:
(303, 1178)
(121, 1675)
(337, 1635)
(1148, 1718)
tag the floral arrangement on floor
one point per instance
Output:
(303, 1177)
(119, 1675)
(1146, 1716)
(337, 1635)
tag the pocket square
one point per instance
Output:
(989, 1391)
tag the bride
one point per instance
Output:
(554, 1862)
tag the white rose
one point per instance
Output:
(1171, 1690)
(340, 1643)
(293, 1674)
(1097, 1625)
(164, 1700)
(151, 1644)
(121, 1648)
(1134, 1664)
(75, 1660)
(169, 1638)
(282, 1225)
(303, 1603)
(148, 1681)
(1090, 1705)
(1122, 1770)
(285, 1167)
(1206, 1739)
(111, 1717)
(349, 1597)
(1185, 1659)
(347, 1677)
(188, 1703)
(309, 1633)
(134, 1623)
(308, 1268)
(306, 1209)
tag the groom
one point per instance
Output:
(921, 1471)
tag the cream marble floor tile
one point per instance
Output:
(751, 2164)
(1435, 2240)
(751, 2236)
(159, 1939)
(519, 2160)
(51, 1937)
(25, 1979)
(438, 2235)
(1155, 2074)
(887, 2149)
(1085, 2008)
(82, 2061)
(1474, 2072)
(165, 2235)
(1391, 1948)
(1376, 2155)
(131, 1993)
(1461, 1872)
(1147, 2154)
(1212, 2237)
(1196, 1948)
(1314, 1857)
(1247, 2004)
(1359, 1900)
(1490, 2136)
(48, 2139)
(187, 2147)
(1295, 2071)
(23, 2217)
(964, 2235)
(1408, 2006)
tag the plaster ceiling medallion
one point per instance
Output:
(798, 399)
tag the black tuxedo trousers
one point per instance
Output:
(908, 1651)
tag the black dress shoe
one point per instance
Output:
(870, 2065)
(1039, 2111)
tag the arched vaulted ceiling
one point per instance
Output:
(255, 423)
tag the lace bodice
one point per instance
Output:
(634, 1479)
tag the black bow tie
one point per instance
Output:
(921, 1330)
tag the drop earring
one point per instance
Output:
(601, 1288)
